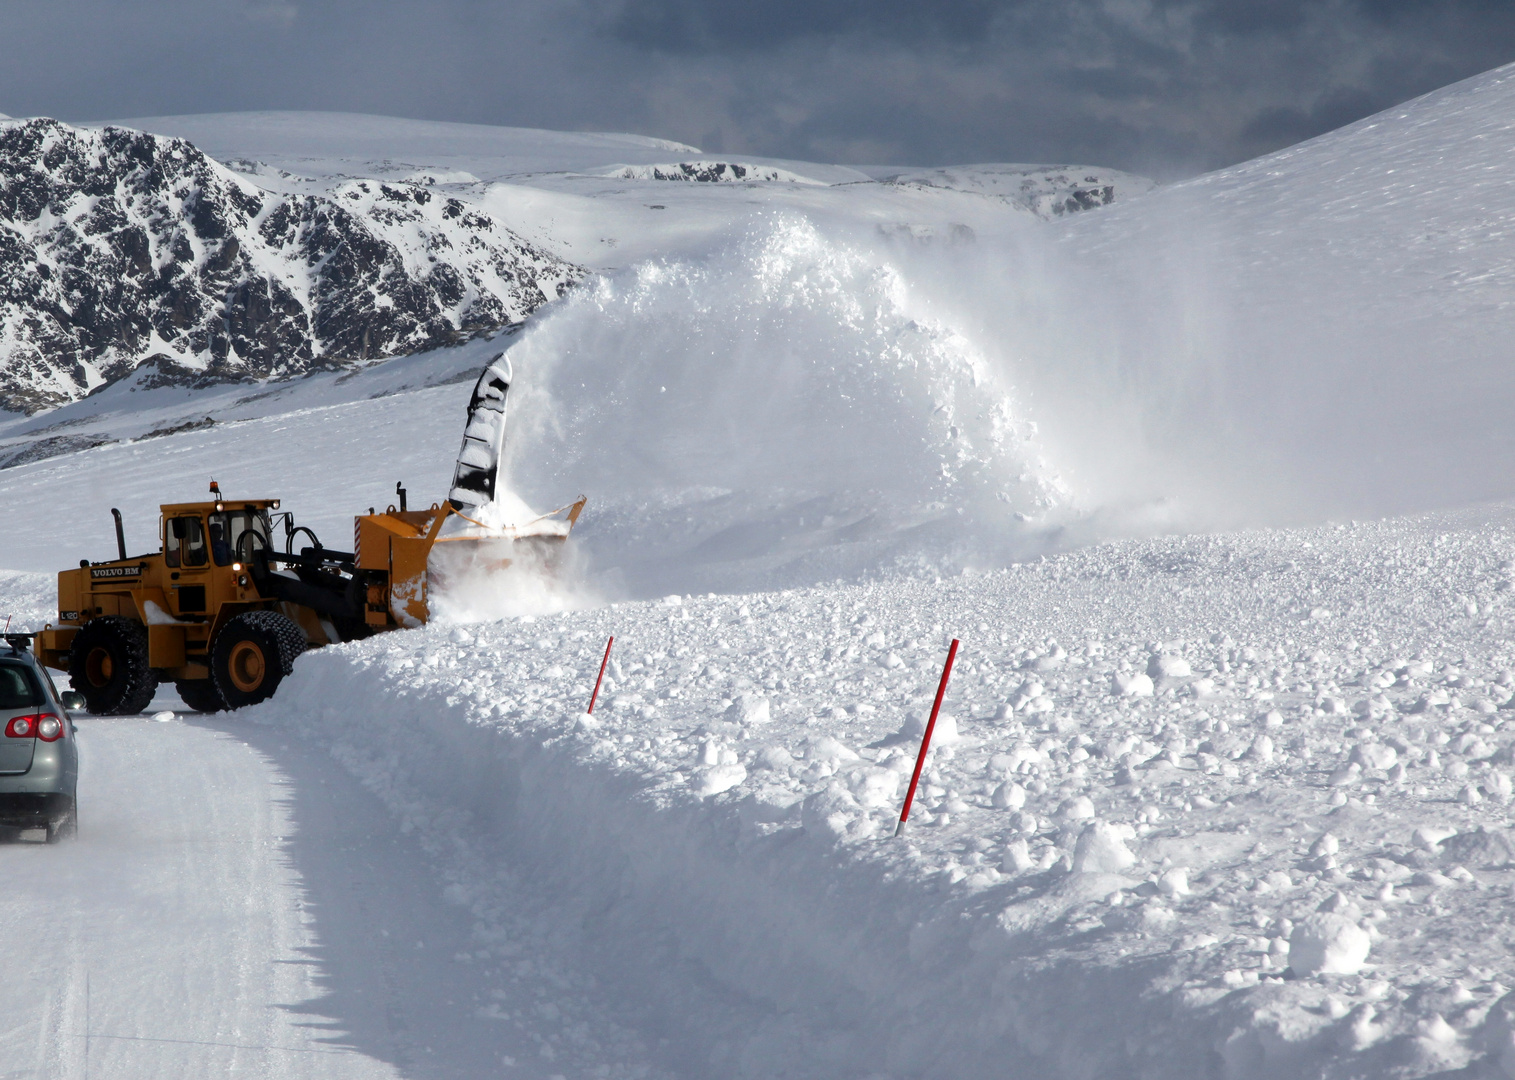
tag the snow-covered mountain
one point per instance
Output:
(1048, 191)
(119, 248)
(711, 172)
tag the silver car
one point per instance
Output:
(39, 757)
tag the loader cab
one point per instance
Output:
(194, 538)
(199, 538)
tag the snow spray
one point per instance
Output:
(485, 580)
(761, 399)
(601, 677)
(920, 758)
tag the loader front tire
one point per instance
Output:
(252, 654)
(200, 695)
(107, 663)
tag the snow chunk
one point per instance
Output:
(1132, 685)
(1078, 808)
(944, 734)
(874, 787)
(828, 749)
(1376, 756)
(1017, 858)
(1009, 796)
(1101, 849)
(718, 778)
(749, 709)
(775, 758)
(1261, 750)
(1429, 837)
(1174, 882)
(1327, 943)
(1168, 666)
(1326, 845)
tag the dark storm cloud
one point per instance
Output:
(695, 26)
(1160, 86)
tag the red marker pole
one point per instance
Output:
(597, 681)
(920, 759)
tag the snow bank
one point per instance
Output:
(1319, 332)
(1160, 886)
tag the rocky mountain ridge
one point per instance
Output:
(119, 247)
(1048, 191)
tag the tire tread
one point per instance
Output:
(130, 637)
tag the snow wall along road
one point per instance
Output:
(740, 942)
(1319, 333)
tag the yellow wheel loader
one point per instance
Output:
(222, 613)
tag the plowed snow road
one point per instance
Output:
(236, 906)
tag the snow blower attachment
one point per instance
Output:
(223, 614)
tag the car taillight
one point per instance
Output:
(44, 726)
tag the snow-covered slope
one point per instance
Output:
(1322, 331)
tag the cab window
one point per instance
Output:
(184, 542)
(227, 530)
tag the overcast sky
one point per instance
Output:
(1162, 87)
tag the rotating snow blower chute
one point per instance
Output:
(221, 613)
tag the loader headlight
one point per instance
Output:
(242, 580)
(236, 566)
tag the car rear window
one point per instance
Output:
(18, 687)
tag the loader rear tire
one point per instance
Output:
(200, 695)
(252, 654)
(107, 663)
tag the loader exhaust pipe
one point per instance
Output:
(120, 536)
(400, 491)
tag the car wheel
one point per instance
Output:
(252, 654)
(200, 695)
(107, 663)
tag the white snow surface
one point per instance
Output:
(1230, 802)
(1134, 914)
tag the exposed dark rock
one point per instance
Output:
(52, 446)
(1048, 191)
(119, 247)
(709, 172)
(175, 429)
